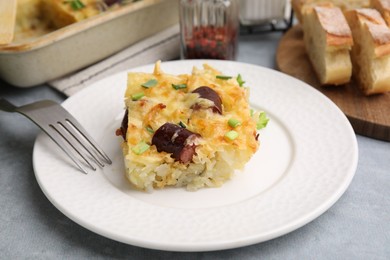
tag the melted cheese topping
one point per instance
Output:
(162, 103)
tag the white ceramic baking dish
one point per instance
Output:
(78, 45)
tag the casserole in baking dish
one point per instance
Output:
(38, 56)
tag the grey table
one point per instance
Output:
(356, 227)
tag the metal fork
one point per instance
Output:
(64, 130)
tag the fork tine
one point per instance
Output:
(76, 136)
(49, 131)
(91, 141)
(62, 133)
(64, 130)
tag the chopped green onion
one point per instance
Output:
(252, 112)
(140, 148)
(263, 121)
(137, 96)
(231, 135)
(240, 80)
(223, 77)
(150, 83)
(126, 2)
(179, 86)
(234, 122)
(182, 124)
(75, 4)
(150, 130)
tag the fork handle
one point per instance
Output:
(7, 106)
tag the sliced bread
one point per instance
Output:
(300, 5)
(328, 41)
(370, 54)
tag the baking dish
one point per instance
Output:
(78, 45)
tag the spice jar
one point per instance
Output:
(209, 29)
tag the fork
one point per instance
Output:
(64, 130)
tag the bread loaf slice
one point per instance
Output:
(328, 40)
(383, 6)
(371, 53)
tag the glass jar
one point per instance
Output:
(209, 29)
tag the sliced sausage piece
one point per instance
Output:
(208, 93)
(174, 139)
(123, 129)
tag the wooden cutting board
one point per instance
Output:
(369, 116)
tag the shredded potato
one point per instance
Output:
(35, 18)
(216, 156)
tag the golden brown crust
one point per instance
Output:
(299, 6)
(302, 6)
(377, 27)
(370, 15)
(335, 25)
(383, 6)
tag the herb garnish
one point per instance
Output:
(75, 4)
(137, 96)
(182, 124)
(240, 81)
(150, 83)
(231, 135)
(262, 121)
(150, 130)
(223, 77)
(140, 148)
(179, 86)
(234, 122)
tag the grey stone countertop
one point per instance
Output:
(356, 227)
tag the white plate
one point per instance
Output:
(307, 158)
